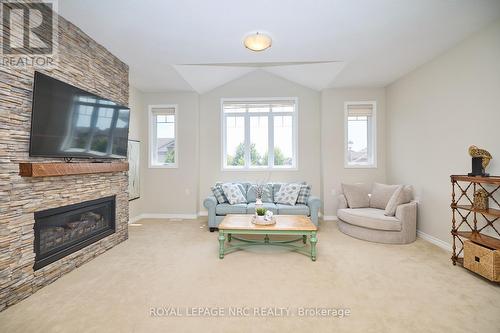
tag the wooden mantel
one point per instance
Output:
(51, 169)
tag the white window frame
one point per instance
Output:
(152, 139)
(246, 115)
(372, 139)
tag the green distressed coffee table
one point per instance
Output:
(294, 225)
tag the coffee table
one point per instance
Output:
(295, 225)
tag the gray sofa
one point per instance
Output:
(372, 225)
(216, 211)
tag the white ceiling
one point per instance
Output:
(197, 44)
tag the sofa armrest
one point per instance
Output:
(407, 214)
(407, 210)
(314, 204)
(342, 202)
(210, 203)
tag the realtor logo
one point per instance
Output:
(28, 33)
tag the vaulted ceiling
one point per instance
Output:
(197, 45)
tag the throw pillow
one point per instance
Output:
(356, 195)
(267, 196)
(277, 186)
(381, 193)
(396, 199)
(233, 193)
(408, 193)
(242, 186)
(304, 193)
(219, 194)
(287, 195)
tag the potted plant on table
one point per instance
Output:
(261, 212)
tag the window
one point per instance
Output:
(259, 134)
(360, 135)
(163, 136)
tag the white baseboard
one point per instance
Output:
(434, 240)
(163, 216)
(329, 218)
(134, 219)
(203, 213)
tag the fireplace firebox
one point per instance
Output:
(64, 230)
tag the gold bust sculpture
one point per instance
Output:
(478, 152)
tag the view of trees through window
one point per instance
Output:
(239, 157)
(263, 121)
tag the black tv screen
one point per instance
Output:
(69, 122)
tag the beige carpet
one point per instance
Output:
(387, 288)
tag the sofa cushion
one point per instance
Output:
(267, 196)
(219, 193)
(408, 191)
(293, 210)
(242, 185)
(371, 218)
(381, 194)
(397, 198)
(304, 193)
(287, 194)
(233, 193)
(356, 195)
(277, 186)
(225, 208)
(268, 205)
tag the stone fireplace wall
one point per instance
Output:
(83, 63)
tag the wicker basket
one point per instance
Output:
(482, 260)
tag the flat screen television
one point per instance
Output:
(69, 122)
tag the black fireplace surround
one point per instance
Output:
(64, 230)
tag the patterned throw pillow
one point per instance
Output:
(233, 193)
(304, 193)
(287, 195)
(219, 194)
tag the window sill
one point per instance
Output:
(163, 166)
(259, 169)
(360, 166)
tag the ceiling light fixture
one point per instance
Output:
(257, 42)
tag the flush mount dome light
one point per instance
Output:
(257, 42)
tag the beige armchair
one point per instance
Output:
(372, 225)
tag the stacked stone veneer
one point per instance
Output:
(86, 64)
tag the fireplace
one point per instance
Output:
(64, 230)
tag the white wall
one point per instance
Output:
(260, 84)
(135, 133)
(435, 113)
(173, 190)
(332, 143)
